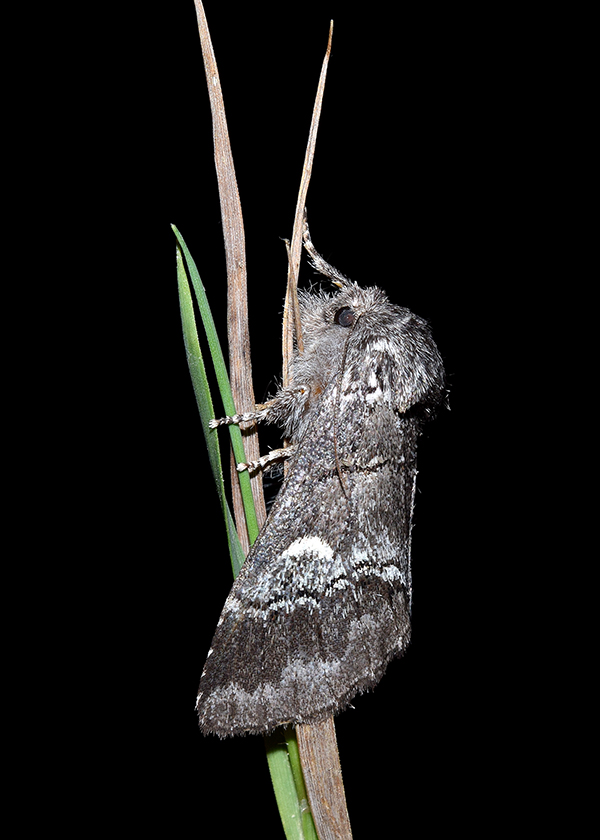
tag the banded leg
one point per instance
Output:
(262, 411)
(266, 460)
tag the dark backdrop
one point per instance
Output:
(422, 184)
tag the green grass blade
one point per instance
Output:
(282, 747)
(223, 383)
(308, 826)
(205, 407)
(288, 783)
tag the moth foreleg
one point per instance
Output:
(261, 413)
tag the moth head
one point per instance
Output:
(387, 352)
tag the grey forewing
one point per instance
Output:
(322, 603)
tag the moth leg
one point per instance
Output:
(261, 413)
(284, 405)
(267, 460)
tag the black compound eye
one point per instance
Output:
(345, 316)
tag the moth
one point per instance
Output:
(323, 601)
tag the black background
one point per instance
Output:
(428, 180)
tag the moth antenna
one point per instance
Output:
(321, 265)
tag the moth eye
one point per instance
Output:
(345, 316)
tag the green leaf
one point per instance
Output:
(205, 407)
(281, 745)
(288, 784)
(224, 386)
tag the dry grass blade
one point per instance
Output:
(240, 372)
(291, 315)
(286, 780)
(318, 752)
(317, 744)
